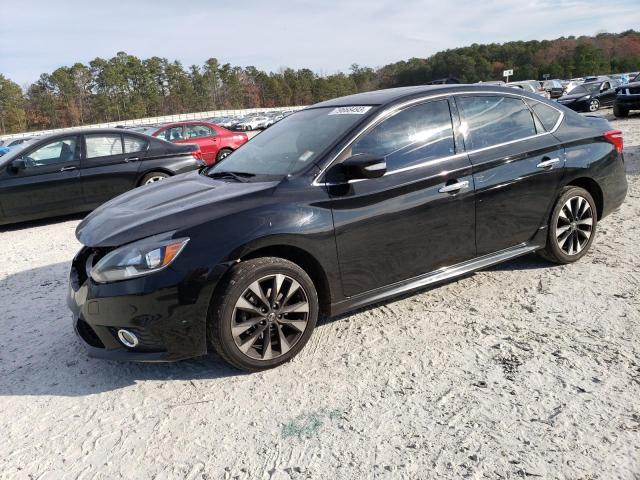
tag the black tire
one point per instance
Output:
(223, 152)
(620, 112)
(153, 177)
(223, 310)
(554, 251)
(594, 105)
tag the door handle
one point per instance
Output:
(549, 163)
(454, 187)
(132, 159)
(68, 169)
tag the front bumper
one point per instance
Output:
(167, 311)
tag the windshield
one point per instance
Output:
(291, 144)
(579, 90)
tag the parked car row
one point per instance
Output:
(587, 94)
(214, 141)
(256, 121)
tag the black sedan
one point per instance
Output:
(590, 96)
(76, 171)
(346, 203)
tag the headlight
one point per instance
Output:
(138, 258)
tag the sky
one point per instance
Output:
(324, 35)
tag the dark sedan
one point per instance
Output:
(348, 202)
(590, 96)
(76, 171)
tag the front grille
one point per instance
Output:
(88, 334)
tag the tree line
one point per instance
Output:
(126, 87)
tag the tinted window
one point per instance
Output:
(171, 134)
(198, 131)
(412, 136)
(57, 151)
(547, 115)
(490, 120)
(103, 145)
(134, 144)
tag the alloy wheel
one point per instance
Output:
(575, 225)
(594, 105)
(270, 317)
(154, 179)
(224, 155)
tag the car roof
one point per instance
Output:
(393, 95)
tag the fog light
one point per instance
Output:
(128, 338)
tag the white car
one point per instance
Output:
(253, 123)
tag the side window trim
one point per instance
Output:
(320, 179)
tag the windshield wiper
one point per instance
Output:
(237, 176)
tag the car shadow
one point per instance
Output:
(526, 262)
(41, 355)
(42, 222)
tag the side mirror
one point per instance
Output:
(17, 165)
(364, 165)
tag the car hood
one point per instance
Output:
(175, 203)
(574, 96)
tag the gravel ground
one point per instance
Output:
(524, 370)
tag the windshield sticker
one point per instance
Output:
(355, 110)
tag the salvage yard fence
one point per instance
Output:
(181, 117)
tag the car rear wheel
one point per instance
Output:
(153, 177)
(264, 315)
(594, 105)
(572, 227)
(620, 112)
(225, 152)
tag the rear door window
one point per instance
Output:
(412, 136)
(198, 131)
(103, 145)
(492, 120)
(134, 144)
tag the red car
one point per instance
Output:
(215, 142)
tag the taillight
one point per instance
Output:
(615, 138)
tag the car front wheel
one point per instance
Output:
(572, 226)
(264, 315)
(594, 105)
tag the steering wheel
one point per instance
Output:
(29, 162)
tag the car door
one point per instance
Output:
(607, 94)
(110, 165)
(206, 138)
(416, 218)
(49, 183)
(517, 165)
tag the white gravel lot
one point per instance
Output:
(525, 370)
